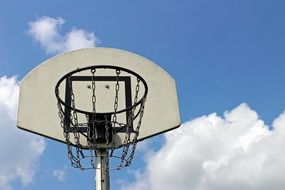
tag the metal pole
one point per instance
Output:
(102, 171)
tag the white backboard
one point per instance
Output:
(38, 111)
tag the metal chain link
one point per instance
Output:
(93, 91)
(66, 133)
(116, 105)
(93, 86)
(116, 102)
(79, 153)
(107, 129)
(134, 142)
(127, 161)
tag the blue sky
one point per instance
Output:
(223, 54)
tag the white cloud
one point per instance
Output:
(9, 91)
(46, 31)
(59, 174)
(233, 152)
(20, 151)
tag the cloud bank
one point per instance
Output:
(46, 31)
(20, 151)
(236, 151)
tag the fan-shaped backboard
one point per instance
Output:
(38, 111)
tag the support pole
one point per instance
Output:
(102, 171)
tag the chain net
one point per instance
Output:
(101, 130)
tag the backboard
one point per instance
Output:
(38, 111)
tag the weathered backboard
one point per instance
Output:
(38, 111)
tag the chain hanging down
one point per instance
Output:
(101, 130)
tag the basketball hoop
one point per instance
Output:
(100, 128)
(103, 110)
